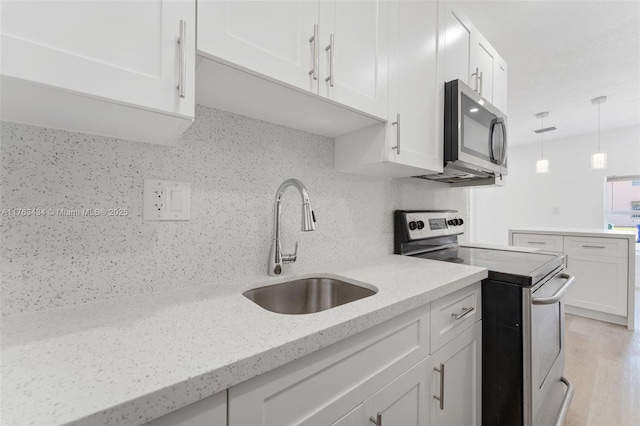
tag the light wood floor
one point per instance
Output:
(603, 364)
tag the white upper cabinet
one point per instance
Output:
(272, 38)
(500, 84)
(333, 54)
(122, 69)
(482, 64)
(410, 143)
(456, 44)
(353, 54)
(470, 58)
(415, 92)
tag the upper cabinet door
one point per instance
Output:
(456, 44)
(126, 52)
(272, 38)
(414, 88)
(500, 84)
(483, 57)
(353, 54)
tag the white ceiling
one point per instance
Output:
(562, 54)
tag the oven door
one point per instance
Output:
(547, 349)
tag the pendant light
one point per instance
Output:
(599, 159)
(542, 165)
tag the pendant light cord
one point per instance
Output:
(542, 140)
(598, 127)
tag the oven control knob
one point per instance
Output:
(450, 222)
(460, 221)
(413, 225)
(455, 222)
(420, 224)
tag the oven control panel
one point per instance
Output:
(431, 224)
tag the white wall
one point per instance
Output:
(570, 195)
(234, 165)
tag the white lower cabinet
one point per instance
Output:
(211, 411)
(600, 267)
(383, 375)
(401, 402)
(456, 380)
(604, 271)
(333, 385)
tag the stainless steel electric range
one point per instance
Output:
(523, 344)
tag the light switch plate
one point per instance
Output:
(166, 200)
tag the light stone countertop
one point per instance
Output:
(131, 360)
(578, 232)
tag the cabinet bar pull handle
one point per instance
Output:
(314, 39)
(588, 246)
(536, 242)
(566, 261)
(397, 124)
(464, 313)
(441, 397)
(476, 75)
(377, 421)
(480, 78)
(182, 71)
(331, 48)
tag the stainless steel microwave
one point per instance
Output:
(475, 138)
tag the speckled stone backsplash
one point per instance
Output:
(234, 165)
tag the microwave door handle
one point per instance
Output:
(492, 129)
(503, 158)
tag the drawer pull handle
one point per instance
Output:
(536, 242)
(377, 421)
(598, 247)
(441, 397)
(464, 313)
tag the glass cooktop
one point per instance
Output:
(521, 268)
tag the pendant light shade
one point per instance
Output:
(599, 159)
(542, 165)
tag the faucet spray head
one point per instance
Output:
(308, 218)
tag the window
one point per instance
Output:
(623, 202)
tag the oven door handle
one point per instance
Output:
(557, 296)
(566, 401)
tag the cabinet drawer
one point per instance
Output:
(453, 314)
(589, 246)
(543, 242)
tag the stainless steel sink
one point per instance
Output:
(306, 296)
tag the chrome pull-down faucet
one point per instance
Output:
(276, 258)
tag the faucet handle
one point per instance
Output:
(290, 258)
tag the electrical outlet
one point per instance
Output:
(166, 200)
(158, 195)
